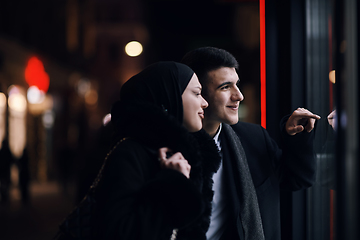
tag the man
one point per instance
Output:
(254, 169)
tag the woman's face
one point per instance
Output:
(193, 105)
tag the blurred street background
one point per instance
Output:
(62, 64)
(39, 218)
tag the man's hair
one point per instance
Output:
(205, 59)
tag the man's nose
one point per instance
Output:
(237, 95)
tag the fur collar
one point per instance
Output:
(155, 128)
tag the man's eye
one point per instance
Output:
(225, 87)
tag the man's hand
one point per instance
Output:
(301, 119)
(174, 161)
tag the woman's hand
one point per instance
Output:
(176, 161)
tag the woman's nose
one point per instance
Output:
(204, 103)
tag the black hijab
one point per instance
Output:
(160, 84)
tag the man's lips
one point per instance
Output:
(235, 107)
(201, 114)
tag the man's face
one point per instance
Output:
(223, 96)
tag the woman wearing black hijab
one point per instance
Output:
(157, 183)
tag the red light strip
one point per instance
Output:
(262, 63)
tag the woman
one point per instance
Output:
(159, 178)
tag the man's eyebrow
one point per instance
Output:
(223, 84)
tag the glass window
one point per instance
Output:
(332, 44)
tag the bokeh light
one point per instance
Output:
(107, 119)
(34, 95)
(2, 101)
(35, 74)
(17, 120)
(91, 97)
(17, 102)
(48, 119)
(332, 76)
(133, 49)
(83, 86)
(2, 117)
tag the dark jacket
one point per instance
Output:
(139, 200)
(291, 168)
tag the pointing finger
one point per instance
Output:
(310, 126)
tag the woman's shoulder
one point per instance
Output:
(130, 154)
(129, 146)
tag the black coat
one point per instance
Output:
(139, 200)
(291, 168)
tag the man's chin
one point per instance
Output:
(232, 121)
